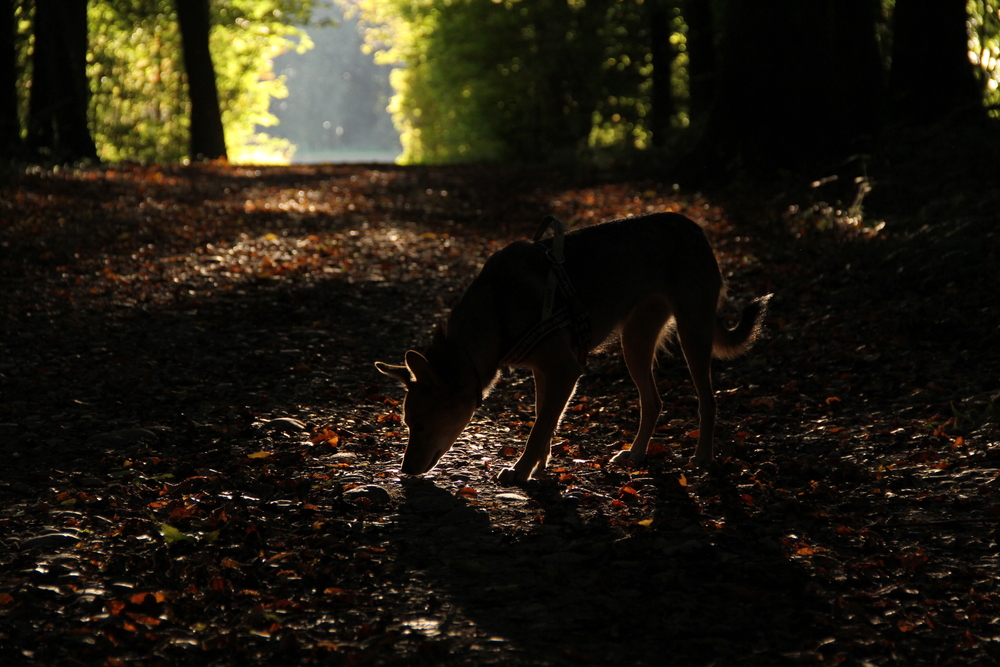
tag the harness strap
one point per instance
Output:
(555, 256)
(573, 315)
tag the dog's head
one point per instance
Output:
(435, 411)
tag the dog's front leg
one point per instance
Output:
(555, 381)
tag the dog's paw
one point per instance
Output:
(508, 477)
(701, 462)
(623, 458)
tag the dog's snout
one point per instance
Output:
(417, 461)
(410, 468)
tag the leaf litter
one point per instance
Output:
(201, 463)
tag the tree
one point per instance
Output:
(57, 107)
(140, 106)
(799, 82)
(932, 77)
(702, 59)
(10, 125)
(484, 80)
(513, 80)
(779, 84)
(661, 15)
(208, 140)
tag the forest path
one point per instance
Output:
(201, 463)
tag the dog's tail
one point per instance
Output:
(729, 343)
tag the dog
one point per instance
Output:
(545, 304)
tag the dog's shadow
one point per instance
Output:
(571, 585)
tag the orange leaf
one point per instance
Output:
(6, 598)
(181, 512)
(682, 480)
(627, 493)
(656, 450)
(280, 556)
(143, 618)
(693, 434)
(259, 455)
(467, 491)
(142, 598)
(326, 435)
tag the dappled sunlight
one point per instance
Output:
(186, 232)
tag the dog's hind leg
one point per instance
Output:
(640, 337)
(556, 372)
(695, 328)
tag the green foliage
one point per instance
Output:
(139, 104)
(624, 105)
(246, 38)
(984, 49)
(137, 108)
(512, 79)
(520, 79)
(474, 80)
(23, 44)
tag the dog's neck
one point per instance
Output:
(462, 363)
(481, 390)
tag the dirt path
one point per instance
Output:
(201, 463)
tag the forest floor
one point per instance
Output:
(200, 462)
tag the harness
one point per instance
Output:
(572, 314)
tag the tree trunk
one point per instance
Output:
(932, 78)
(208, 141)
(10, 124)
(702, 60)
(60, 92)
(790, 89)
(662, 99)
(857, 76)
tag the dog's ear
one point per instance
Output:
(400, 373)
(421, 368)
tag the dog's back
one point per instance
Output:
(617, 265)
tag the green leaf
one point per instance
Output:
(172, 535)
